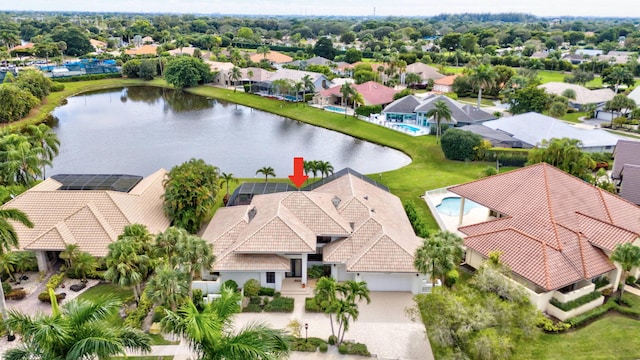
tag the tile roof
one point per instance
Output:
(626, 152)
(583, 95)
(404, 105)
(556, 225)
(368, 222)
(630, 187)
(446, 81)
(272, 56)
(425, 71)
(90, 218)
(143, 50)
(372, 92)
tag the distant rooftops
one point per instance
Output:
(115, 182)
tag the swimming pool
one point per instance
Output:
(450, 206)
(334, 109)
(413, 129)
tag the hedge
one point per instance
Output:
(266, 291)
(44, 297)
(591, 315)
(575, 303)
(136, 317)
(55, 281)
(279, 304)
(311, 306)
(87, 77)
(15, 294)
(353, 349)
(254, 308)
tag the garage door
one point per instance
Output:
(388, 282)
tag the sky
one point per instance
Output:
(548, 8)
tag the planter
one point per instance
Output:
(304, 285)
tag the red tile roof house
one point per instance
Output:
(350, 225)
(627, 165)
(372, 92)
(556, 232)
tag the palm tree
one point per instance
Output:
(297, 88)
(42, 136)
(226, 180)
(80, 329)
(235, 75)
(264, 50)
(346, 90)
(617, 75)
(167, 242)
(20, 160)
(168, 287)
(439, 112)
(69, 254)
(324, 167)
(250, 76)
(210, 331)
(194, 254)
(266, 171)
(85, 263)
(438, 255)
(412, 79)
(628, 256)
(358, 100)
(307, 83)
(309, 167)
(181, 42)
(7, 264)
(24, 260)
(324, 295)
(481, 77)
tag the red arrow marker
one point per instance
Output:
(298, 178)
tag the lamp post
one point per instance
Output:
(306, 331)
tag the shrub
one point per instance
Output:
(352, 348)
(6, 288)
(255, 300)
(310, 305)
(277, 294)
(332, 340)
(44, 297)
(197, 296)
(451, 278)
(136, 317)
(56, 86)
(266, 291)
(443, 128)
(15, 294)
(55, 281)
(88, 77)
(590, 315)
(299, 344)
(575, 303)
(323, 348)
(419, 227)
(251, 287)
(548, 325)
(158, 313)
(490, 170)
(367, 110)
(630, 280)
(459, 144)
(280, 304)
(316, 272)
(255, 308)
(602, 282)
(231, 284)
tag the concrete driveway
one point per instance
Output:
(382, 325)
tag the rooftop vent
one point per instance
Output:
(373, 210)
(336, 201)
(366, 197)
(252, 213)
(353, 226)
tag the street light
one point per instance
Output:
(306, 331)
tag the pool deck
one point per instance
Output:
(476, 215)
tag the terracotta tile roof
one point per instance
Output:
(555, 224)
(143, 50)
(289, 222)
(630, 187)
(254, 262)
(372, 92)
(91, 218)
(626, 152)
(446, 81)
(272, 56)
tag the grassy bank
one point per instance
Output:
(428, 169)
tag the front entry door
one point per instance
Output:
(296, 268)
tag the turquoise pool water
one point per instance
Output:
(451, 206)
(409, 127)
(334, 109)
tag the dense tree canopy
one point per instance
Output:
(459, 144)
(565, 154)
(185, 71)
(76, 40)
(190, 193)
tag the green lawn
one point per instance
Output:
(474, 101)
(102, 290)
(158, 339)
(612, 337)
(558, 76)
(574, 117)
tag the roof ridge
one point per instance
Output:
(37, 238)
(307, 194)
(550, 205)
(104, 224)
(117, 205)
(608, 223)
(545, 261)
(580, 246)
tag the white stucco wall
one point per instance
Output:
(389, 281)
(239, 277)
(562, 315)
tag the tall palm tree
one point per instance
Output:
(266, 171)
(307, 83)
(438, 255)
(481, 77)
(7, 264)
(325, 168)
(80, 329)
(168, 287)
(628, 256)
(69, 254)
(346, 90)
(250, 76)
(41, 135)
(235, 75)
(9, 240)
(210, 331)
(264, 50)
(85, 263)
(357, 99)
(617, 75)
(439, 112)
(20, 160)
(297, 88)
(226, 180)
(167, 242)
(325, 295)
(194, 254)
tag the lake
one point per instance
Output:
(138, 130)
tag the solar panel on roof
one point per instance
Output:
(113, 182)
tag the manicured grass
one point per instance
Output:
(158, 339)
(574, 117)
(102, 290)
(428, 170)
(558, 76)
(453, 69)
(474, 101)
(608, 338)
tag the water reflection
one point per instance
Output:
(150, 128)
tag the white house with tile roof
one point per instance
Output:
(555, 231)
(68, 212)
(354, 228)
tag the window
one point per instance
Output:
(271, 277)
